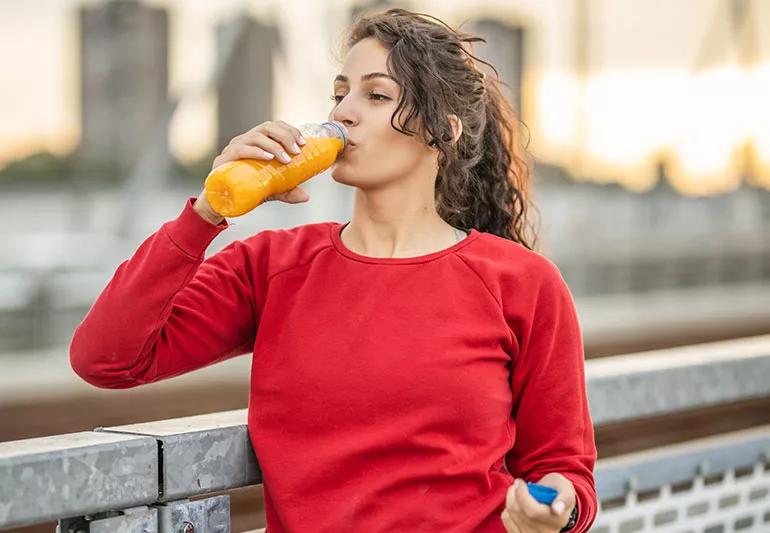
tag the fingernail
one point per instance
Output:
(558, 507)
(516, 483)
(302, 140)
(268, 155)
(285, 157)
(295, 148)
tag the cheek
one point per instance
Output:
(410, 150)
(385, 153)
(394, 152)
(396, 145)
(408, 155)
(380, 161)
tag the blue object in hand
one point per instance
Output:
(542, 493)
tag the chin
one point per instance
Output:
(342, 173)
(347, 174)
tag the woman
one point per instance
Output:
(412, 367)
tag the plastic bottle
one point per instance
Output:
(236, 187)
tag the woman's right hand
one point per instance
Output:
(270, 140)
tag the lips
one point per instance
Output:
(349, 146)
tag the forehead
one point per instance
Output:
(367, 55)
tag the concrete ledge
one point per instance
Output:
(645, 384)
(69, 475)
(201, 454)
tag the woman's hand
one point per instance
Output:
(524, 514)
(267, 141)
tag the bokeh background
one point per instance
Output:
(650, 131)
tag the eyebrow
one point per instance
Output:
(367, 77)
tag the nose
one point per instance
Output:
(344, 112)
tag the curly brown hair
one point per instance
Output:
(483, 177)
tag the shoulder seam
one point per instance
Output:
(486, 286)
(312, 258)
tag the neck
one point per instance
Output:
(397, 221)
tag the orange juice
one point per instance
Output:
(237, 187)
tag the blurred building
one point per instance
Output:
(124, 79)
(505, 50)
(245, 49)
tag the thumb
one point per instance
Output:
(298, 195)
(293, 196)
(558, 506)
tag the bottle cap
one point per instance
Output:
(340, 128)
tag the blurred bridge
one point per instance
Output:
(639, 283)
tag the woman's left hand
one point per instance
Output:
(524, 514)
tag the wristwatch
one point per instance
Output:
(572, 519)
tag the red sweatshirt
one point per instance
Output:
(387, 394)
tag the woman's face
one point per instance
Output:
(365, 99)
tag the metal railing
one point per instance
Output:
(140, 477)
(719, 483)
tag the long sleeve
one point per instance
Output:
(166, 310)
(553, 426)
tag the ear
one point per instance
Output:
(457, 127)
(457, 130)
